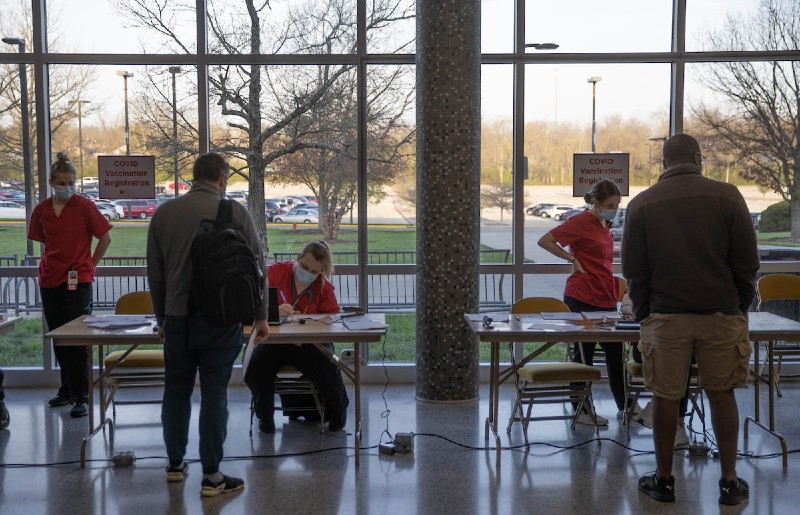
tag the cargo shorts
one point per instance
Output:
(721, 344)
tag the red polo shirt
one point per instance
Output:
(67, 239)
(319, 297)
(590, 241)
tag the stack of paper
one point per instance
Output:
(117, 321)
(362, 323)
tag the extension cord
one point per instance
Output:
(387, 448)
(698, 449)
(123, 459)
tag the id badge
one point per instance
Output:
(72, 280)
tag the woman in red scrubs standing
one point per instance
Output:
(66, 223)
(592, 287)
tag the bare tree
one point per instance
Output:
(498, 194)
(68, 84)
(270, 110)
(760, 120)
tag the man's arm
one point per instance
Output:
(744, 261)
(155, 272)
(635, 265)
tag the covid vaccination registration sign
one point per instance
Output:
(589, 169)
(127, 176)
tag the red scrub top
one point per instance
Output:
(590, 241)
(67, 239)
(318, 298)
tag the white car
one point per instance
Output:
(118, 211)
(555, 211)
(12, 210)
(107, 211)
(302, 216)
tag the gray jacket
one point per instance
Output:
(169, 243)
(689, 247)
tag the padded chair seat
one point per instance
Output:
(137, 359)
(558, 372)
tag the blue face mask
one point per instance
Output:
(608, 214)
(302, 275)
(64, 193)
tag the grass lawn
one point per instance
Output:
(781, 239)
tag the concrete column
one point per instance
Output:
(448, 197)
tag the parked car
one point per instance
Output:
(138, 208)
(308, 205)
(238, 196)
(305, 216)
(272, 209)
(117, 211)
(89, 183)
(554, 211)
(536, 210)
(12, 210)
(566, 215)
(107, 211)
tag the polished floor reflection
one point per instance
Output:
(299, 470)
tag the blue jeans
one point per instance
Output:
(191, 344)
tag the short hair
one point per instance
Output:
(62, 165)
(210, 167)
(602, 191)
(680, 148)
(320, 251)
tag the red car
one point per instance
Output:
(138, 208)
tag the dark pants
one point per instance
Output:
(268, 359)
(616, 377)
(190, 344)
(60, 306)
(2, 391)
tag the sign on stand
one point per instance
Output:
(589, 169)
(127, 176)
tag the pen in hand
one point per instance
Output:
(283, 297)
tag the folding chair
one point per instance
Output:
(780, 294)
(549, 383)
(140, 368)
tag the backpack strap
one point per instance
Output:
(225, 212)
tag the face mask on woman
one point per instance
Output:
(303, 275)
(608, 214)
(64, 193)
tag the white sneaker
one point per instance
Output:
(585, 419)
(681, 437)
(636, 410)
(645, 416)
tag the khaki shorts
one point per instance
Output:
(720, 342)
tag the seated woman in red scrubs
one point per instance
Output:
(304, 287)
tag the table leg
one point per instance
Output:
(357, 391)
(771, 395)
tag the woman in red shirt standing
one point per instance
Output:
(66, 223)
(592, 287)
(304, 287)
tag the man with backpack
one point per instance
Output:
(187, 237)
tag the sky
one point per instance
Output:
(554, 93)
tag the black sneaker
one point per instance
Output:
(78, 410)
(338, 421)
(59, 400)
(266, 425)
(659, 489)
(209, 488)
(5, 418)
(175, 474)
(733, 492)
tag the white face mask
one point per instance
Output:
(303, 275)
(608, 214)
(63, 193)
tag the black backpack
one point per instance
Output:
(227, 284)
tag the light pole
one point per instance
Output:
(593, 81)
(125, 74)
(26, 141)
(80, 135)
(175, 70)
(661, 139)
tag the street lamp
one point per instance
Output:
(542, 46)
(125, 74)
(661, 139)
(175, 70)
(26, 142)
(80, 135)
(593, 81)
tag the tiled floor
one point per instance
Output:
(444, 475)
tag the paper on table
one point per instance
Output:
(566, 315)
(362, 323)
(552, 328)
(599, 315)
(496, 317)
(116, 321)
